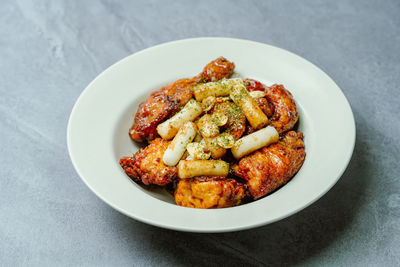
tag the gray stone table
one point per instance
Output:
(50, 51)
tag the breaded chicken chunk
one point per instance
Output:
(209, 192)
(271, 167)
(165, 102)
(147, 166)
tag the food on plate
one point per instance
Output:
(285, 113)
(216, 141)
(170, 127)
(236, 123)
(272, 166)
(214, 89)
(166, 101)
(216, 70)
(215, 149)
(248, 105)
(265, 106)
(226, 140)
(159, 106)
(178, 145)
(257, 94)
(208, 103)
(147, 165)
(198, 150)
(209, 192)
(208, 127)
(254, 141)
(193, 168)
(235, 126)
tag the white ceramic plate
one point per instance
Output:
(100, 120)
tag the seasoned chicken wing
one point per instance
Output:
(147, 166)
(209, 192)
(271, 167)
(165, 102)
(217, 69)
(159, 106)
(285, 113)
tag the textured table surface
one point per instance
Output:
(50, 51)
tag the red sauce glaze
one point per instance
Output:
(256, 175)
(273, 166)
(217, 69)
(285, 113)
(165, 102)
(158, 107)
(146, 165)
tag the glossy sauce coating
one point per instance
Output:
(209, 192)
(158, 107)
(285, 113)
(271, 167)
(165, 102)
(216, 70)
(265, 106)
(147, 166)
(263, 171)
(236, 124)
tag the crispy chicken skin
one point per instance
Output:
(271, 167)
(285, 113)
(265, 106)
(165, 102)
(217, 69)
(209, 192)
(147, 166)
(159, 106)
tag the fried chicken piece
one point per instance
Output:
(285, 113)
(209, 192)
(147, 166)
(236, 119)
(265, 106)
(165, 102)
(159, 106)
(217, 69)
(271, 167)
